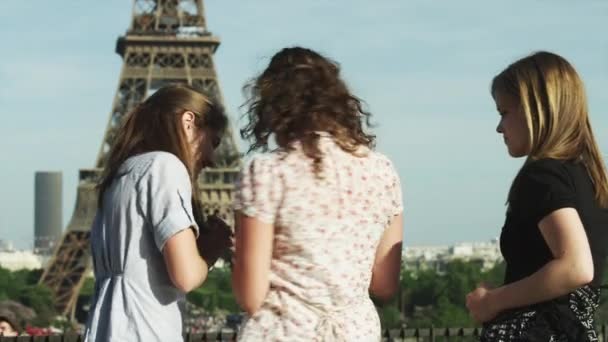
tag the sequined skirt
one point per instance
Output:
(565, 319)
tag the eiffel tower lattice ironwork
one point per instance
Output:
(167, 42)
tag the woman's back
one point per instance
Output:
(327, 230)
(134, 297)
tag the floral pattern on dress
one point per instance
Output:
(327, 230)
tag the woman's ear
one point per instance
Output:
(188, 120)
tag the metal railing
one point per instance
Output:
(392, 335)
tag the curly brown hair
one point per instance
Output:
(301, 93)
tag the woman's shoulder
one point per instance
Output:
(155, 164)
(162, 160)
(264, 158)
(547, 170)
(260, 166)
(381, 161)
(541, 176)
(545, 164)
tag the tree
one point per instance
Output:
(437, 299)
(22, 286)
(215, 293)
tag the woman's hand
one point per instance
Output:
(215, 240)
(480, 304)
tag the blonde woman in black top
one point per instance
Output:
(555, 236)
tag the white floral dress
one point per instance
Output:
(326, 234)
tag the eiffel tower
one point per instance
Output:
(167, 42)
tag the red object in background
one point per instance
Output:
(34, 331)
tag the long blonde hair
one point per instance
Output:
(155, 125)
(552, 96)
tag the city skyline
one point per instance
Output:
(424, 70)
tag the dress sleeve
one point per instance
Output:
(166, 198)
(393, 190)
(543, 187)
(259, 189)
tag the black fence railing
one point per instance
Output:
(392, 335)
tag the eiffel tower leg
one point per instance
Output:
(71, 261)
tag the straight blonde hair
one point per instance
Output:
(553, 99)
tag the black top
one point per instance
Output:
(542, 187)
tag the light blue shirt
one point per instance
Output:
(147, 203)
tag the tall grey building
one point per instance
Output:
(48, 220)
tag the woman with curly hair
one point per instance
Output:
(318, 218)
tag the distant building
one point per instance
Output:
(48, 219)
(18, 260)
(6, 246)
(436, 257)
(14, 259)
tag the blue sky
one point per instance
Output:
(423, 67)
